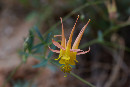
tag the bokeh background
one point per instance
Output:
(108, 33)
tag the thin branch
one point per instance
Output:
(115, 28)
(76, 76)
(11, 75)
(118, 53)
(81, 79)
(73, 12)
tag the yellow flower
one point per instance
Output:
(67, 55)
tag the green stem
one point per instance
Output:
(73, 12)
(115, 28)
(89, 43)
(81, 79)
(11, 75)
(106, 43)
(76, 76)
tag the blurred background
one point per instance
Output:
(26, 30)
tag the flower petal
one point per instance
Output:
(56, 51)
(77, 41)
(75, 50)
(84, 52)
(70, 38)
(57, 35)
(57, 44)
(63, 35)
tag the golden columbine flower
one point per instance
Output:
(67, 55)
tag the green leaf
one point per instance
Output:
(100, 36)
(24, 58)
(28, 43)
(39, 49)
(37, 46)
(48, 37)
(51, 67)
(51, 53)
(43, 63)
(39, 34)
(37, 57)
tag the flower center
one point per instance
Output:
(66, 68)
